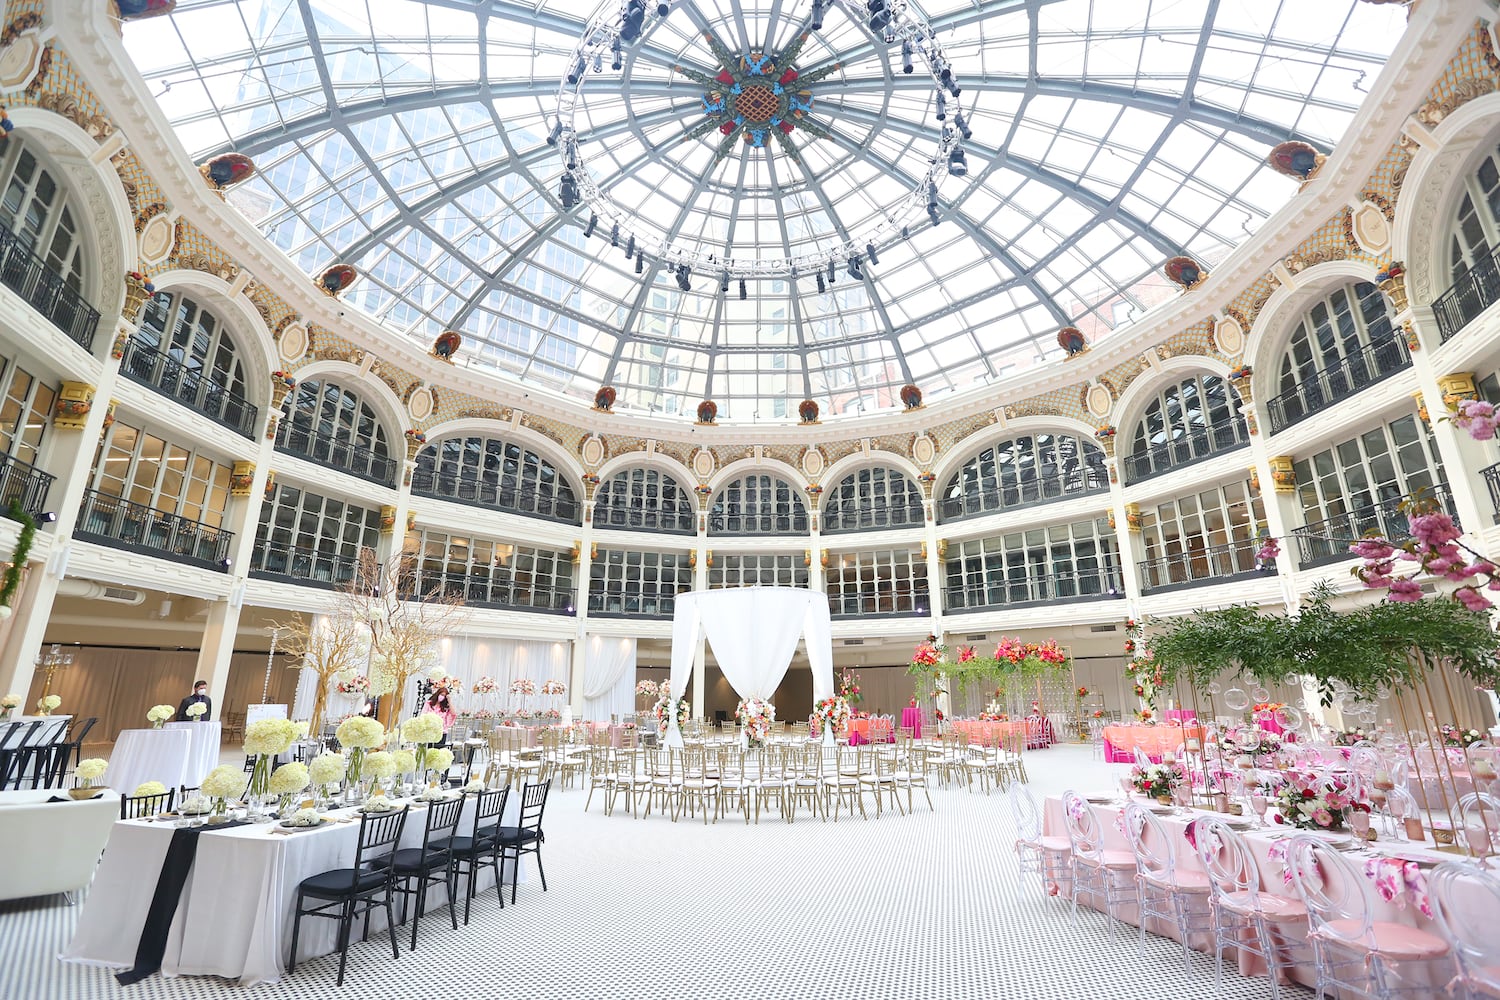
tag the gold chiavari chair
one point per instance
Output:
(699, 783)
(912, 768)
(664, 771)
(805, 780)
(841, 779)
(880, 779)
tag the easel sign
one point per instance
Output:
(254, 713)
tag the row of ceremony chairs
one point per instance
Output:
(40, 753)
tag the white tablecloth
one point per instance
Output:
(204, 754)
(142, 755)
(235, 918)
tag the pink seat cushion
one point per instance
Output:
(1062, 844)
(1392, 940)
(1274, 908)
(1189, 881)
(1110, 859)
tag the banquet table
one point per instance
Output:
(988, 733)
(203, 756)
(861, 731)
(236, 911)
(1271, 871)
(142, 755)
(911, 718)
(1120, 742)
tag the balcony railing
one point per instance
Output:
(1196, 567)
(632, 605)
(1371, 364)
(901, 602)
(668, 522)
(1185, 450)
(1328, 540)
(189, 386)
(279, 561)
(1491, 476)
(117, 522)
(486, 590)
(743, 523)
(326, 449)
(843, 519)
(465, 489)
(1026, 493)
(1470, 295)
(1035, 587)
(26, 483)
(30, 277)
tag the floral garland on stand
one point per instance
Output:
(755, 718)
(663, 710)
(12, 579)
(832, 716)
(1144, 672)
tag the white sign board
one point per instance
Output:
(255, 713)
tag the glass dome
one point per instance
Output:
(410, 139)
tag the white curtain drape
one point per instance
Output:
(753, 632)
(608, 678)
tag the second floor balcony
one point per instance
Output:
(189, 386)
(494, 589)
(117, 522)
(1370, 364)
(493, 495)
(618, 604)
(300, 564)
(1197, 565)
(30, 277)
(1033, 585)
(336, 452)
(900, 601)
(1024, 492)
(24, 483)
(1327, 541)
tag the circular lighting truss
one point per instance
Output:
(761, 99)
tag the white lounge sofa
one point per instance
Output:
(52, 847)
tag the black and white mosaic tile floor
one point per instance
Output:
(924, 906)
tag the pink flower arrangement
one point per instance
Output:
(965, 654)
(522, 686)
(485, 685)
(553, 687)
(927, 655)
(1478, 417)
(1312, 802)
(646, 687)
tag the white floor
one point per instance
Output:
(916, 906)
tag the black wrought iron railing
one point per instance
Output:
(1025, 493)
(671, 522)
(1371, 364)
(30, 277)
(845, 518)
(189, 386)
(278, 560)
(613, 605)
(495, 496)
(26, 483)
(1186, 450)
(117, 522)
(329, 450)
(488, 590)
(899, 602)
(1474, 292)
(1491, 476)
(784, 522)
(1035, 587)
(1328, 540)
(1197, 566)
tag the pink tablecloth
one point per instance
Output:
(1120, 741)
(911, 718)
(1272, 880)
(1183, 715)
(862, 731)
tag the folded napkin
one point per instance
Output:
(59, 798)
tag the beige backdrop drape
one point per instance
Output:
(120, 685)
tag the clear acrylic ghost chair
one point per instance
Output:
(1479, 823)
(1037, 852)
(1245, 918)
(1099, 872)
(1354, 952)
(1161, 890)
(1142, 758)
(1465, 907)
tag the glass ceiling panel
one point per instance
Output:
(410, 139)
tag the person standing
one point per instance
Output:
(199, 696)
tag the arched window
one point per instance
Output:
(644, 500)
(184, 351)
(1024, 471)
(1343, 343)
(873, 498)
(1473, 235)
(1186, 422)
(41, 242)
(312, 537)
(758, 505)
(490, 472)
(333, 426)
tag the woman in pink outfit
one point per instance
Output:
(438, 704)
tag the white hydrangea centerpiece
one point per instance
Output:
(196, 709)
(90, 771)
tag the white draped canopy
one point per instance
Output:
(753, 632)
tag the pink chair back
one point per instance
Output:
(1333, 890)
